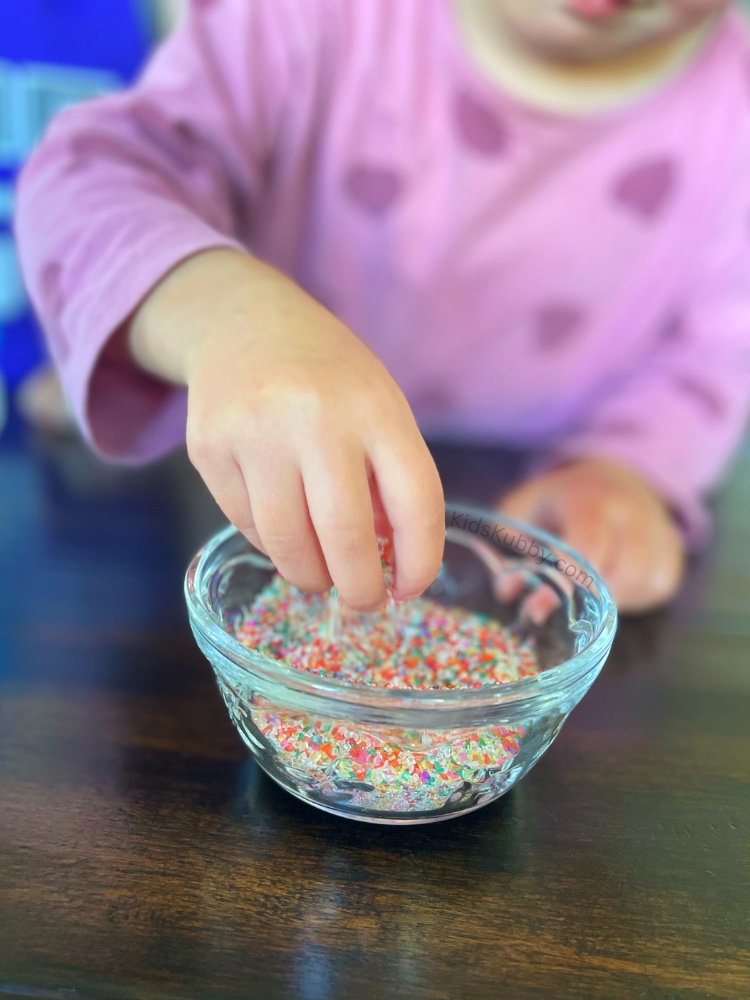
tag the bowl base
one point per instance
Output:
(398, 819)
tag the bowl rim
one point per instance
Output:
(205, 622)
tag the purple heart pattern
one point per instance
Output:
(479, 127)
(557, 324)
(374, 189)
(647, 188)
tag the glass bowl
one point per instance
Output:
(399, 755)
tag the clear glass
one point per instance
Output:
(476, 743)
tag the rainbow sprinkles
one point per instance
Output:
(419, 645)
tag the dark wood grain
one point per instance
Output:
(143, 855)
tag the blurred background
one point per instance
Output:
(53, 55)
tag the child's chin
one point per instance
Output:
(580, 42)
(552, 30)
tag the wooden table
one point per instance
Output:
(142, 854)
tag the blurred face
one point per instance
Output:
(592, 30)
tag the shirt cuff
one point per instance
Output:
(126, 414)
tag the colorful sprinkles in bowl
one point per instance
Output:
(418, 645)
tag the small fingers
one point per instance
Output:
(412, 496)
(590, 529)
(341, 508)
(580, 522)
(647, 567)
(618, 527)
(283, 525)
(540, 604)
(223, 477)
(510, 586)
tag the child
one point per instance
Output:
(318, 228)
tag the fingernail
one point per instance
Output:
(408, 597)
(348, 609)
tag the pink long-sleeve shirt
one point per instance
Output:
(576, 286)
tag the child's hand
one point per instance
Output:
(614, 520)
(296, 428)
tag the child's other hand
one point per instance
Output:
(613, 519)
(297, 429)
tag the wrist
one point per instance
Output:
(173, 323)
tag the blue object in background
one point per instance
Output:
(53, 53)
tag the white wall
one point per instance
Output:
(168, 13)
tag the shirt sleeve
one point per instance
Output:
(679, 419)
(124, 188)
